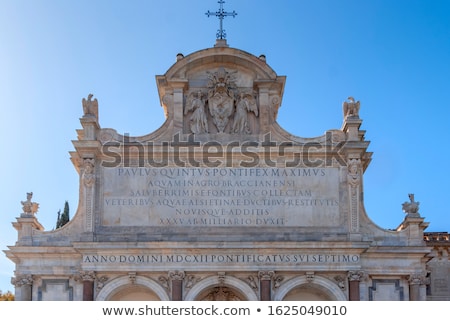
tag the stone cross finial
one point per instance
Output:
(221, 14)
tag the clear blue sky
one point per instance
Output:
(393, 56)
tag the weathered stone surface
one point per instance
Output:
(233, 206)
(221, 197)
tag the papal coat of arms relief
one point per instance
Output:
(221, 104)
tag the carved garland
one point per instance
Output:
(354, 183)
(88, 179)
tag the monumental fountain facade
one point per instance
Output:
(221, 203)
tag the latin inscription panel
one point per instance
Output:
(221, 197)
(234, 259)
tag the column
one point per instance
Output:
(88, 290)
(265, 283)
(354, 278)
(25, 285)
(177, 278)
(415, 281)
(88, 278)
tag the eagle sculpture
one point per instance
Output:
(90, 107)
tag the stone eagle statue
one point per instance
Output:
(90, 107)
(350, 107)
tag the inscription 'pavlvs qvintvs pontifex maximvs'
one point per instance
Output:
(220, 196)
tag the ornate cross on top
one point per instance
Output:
(221, 14)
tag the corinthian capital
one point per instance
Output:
(85, 276)
(176, 275)
(416, 279)
(22, 280)
(266, 275)
(355, 275)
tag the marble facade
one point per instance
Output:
(221, 203)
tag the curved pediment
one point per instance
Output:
(221, 159)
(221, 90)
(211, 57)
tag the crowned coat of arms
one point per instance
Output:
(221, 97)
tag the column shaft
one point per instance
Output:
(354, 291)
(265, 290)
(88, 290)
(414, 292)
(177, 290)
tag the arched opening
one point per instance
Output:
(220, 293)
(302, 288)
(307, 293)
(214, 288)
(142, 289)
(134, 293)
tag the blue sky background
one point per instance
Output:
(393, 56)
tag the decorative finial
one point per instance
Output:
(221, 14)
(90, 107)
(411, 208)
(29, 207)
(180, 56)
(351, 108)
